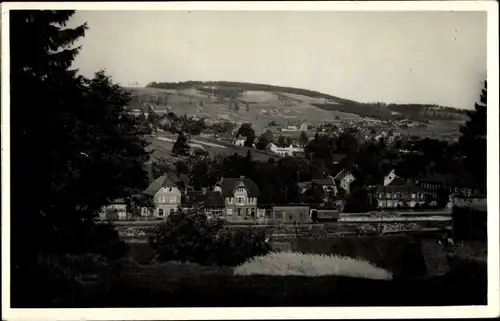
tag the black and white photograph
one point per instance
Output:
(232, 155)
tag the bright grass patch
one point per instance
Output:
(294, 263)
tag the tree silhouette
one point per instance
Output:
(181, 147)
(246, 130)
(473, 139)
(78, 145)
(303, 138)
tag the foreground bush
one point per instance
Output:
(191, 237)
(281, 263)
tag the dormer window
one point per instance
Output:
(240, 190)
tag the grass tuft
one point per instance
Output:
(294, 263)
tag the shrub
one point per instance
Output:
(311, 265)
(469, 224)
(191, 237)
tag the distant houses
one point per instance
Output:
(295, 128)
(285, 151)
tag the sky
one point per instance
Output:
(394, 57)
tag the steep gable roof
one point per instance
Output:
(229, 185)
(343, 173)
(397, 181)
(162, 181)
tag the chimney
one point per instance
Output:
(242, 177)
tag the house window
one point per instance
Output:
(388, 195)
(413, 196)
(160, 212)
(240, 190)
(253, 213)
(240, 200)
(229, 211)
(171, 199)
(381, 195)
(394, 195)
(161, 199)
(239, 211)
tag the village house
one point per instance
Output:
(344, 179)
(211, 202)
(166, 197)
(432, 184)
(328, 185)
(116, 210)
(462, 189)
(240, 198)
(285, 151)
(239, 141)
(399, 194)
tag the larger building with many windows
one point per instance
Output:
(166, 197)
(240, 198)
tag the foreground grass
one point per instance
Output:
(292, 263)
(127, 284)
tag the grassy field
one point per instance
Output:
(163, 143)
(260, 107)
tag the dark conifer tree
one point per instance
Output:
(181, 146)
(473, 139)
(74, 149)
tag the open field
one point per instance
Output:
(260, 107)
(162, 144)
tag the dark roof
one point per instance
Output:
(214, 199)
(398, 181)
(343, 173)
(323, 181)
(437, 178)
(229, 185)
(162, 181)
(290, 207)
(411, 188)
(206, 199)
